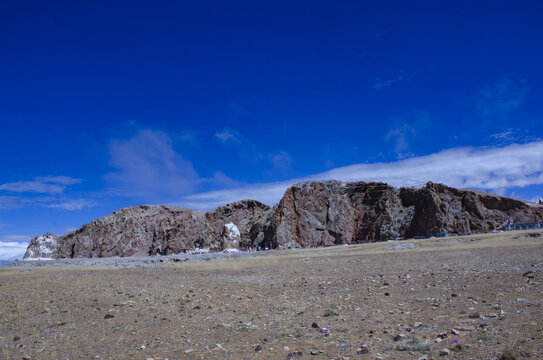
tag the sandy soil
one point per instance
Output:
(477, 297)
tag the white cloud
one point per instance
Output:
(42, 184)
(147, 166)
(13, 246)
(489, 168)
(12, 250)
(72, 204)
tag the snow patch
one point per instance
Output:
(231, 251)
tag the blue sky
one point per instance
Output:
(105, 105)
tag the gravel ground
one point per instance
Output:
(438, 299)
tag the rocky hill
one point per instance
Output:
(309, 214)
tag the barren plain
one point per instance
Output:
(470, 297)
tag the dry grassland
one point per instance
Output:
(477, 297)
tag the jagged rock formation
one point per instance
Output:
(332, 212)
(309, 214)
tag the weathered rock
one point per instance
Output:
(43, 247)
(332, 212)
(158, 230)
(309, 214)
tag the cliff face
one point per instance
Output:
(309, 214)
(331, 212)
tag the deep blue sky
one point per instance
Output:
(109, 104)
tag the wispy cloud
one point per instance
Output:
(504, 135)
(227, 136)
(43, 191)
(16, 237)
(280, 160)
(400, 136)
(41, 184)
(404, 131)
(489, 168)
(513, 135)
(501, 99)
(147, 166)
(72, 204)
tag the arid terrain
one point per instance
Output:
(470, 297)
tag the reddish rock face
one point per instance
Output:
(332, 212)
(309, 214)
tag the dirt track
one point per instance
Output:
(481, 296)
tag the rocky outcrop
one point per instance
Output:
(43, 247)
(160, 230)
(309, 214)
(332, 212)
